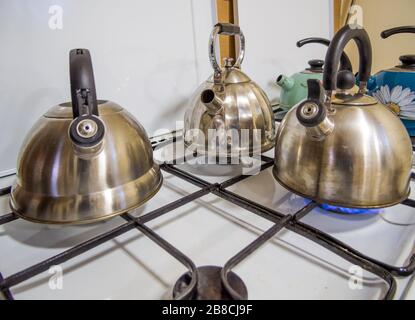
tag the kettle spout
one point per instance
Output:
(285, 82)
(212, 102)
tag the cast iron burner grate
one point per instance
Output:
(210, 285)
(215, 282)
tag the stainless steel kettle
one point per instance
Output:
(229, 114)
(342, 147)
(84, 161)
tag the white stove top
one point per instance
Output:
(210, 231)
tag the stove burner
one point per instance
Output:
(209, 286)
(350, 211)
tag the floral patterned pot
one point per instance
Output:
(396, 90)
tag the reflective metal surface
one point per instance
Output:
(364, 162)
(229, 114)
(55, 185)
(340, 146)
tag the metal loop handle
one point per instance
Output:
(226, 29)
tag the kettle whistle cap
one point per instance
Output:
(312, 111)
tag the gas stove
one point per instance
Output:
(211, 232)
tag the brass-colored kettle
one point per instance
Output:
(342, 147)
(229, 115)
(84, 161)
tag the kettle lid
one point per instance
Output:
(229, 74)
(64, 110)
(357, 99)
(347, 93)
(316, 66)
(408, 61)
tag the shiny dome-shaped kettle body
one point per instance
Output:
(229, 115)
(342, 147)
(395, 87)
(83, 161)
(294, 88)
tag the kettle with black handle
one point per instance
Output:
(395, 87)
(341, 146)
(85, 160)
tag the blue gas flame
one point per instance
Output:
(344, 210)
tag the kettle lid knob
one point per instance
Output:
(345, 80)
(228, 62)
(316, 65)
(408, 60)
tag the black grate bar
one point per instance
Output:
(201, 183)
(274, 216)
(256, 244)
(267, 159)
(5, 191)
(409, 202)
(254, 207)
(397, 271)
(64, 256)
(186, 176)
(343, 251)
(92, 243)
(240, 178)
(264, 212)
(163, 143)
(304, 211)
(6, 291)
(248, 250)
(8, 218)
(174, 205)
(174, 252)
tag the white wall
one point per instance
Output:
(148, 56)
(272, 28)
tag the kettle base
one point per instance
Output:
(341, 204)
(84, 209)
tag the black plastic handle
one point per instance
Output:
(228, 29)
(337, 45)
(345, 63)
(83, 91)
(390, 32)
